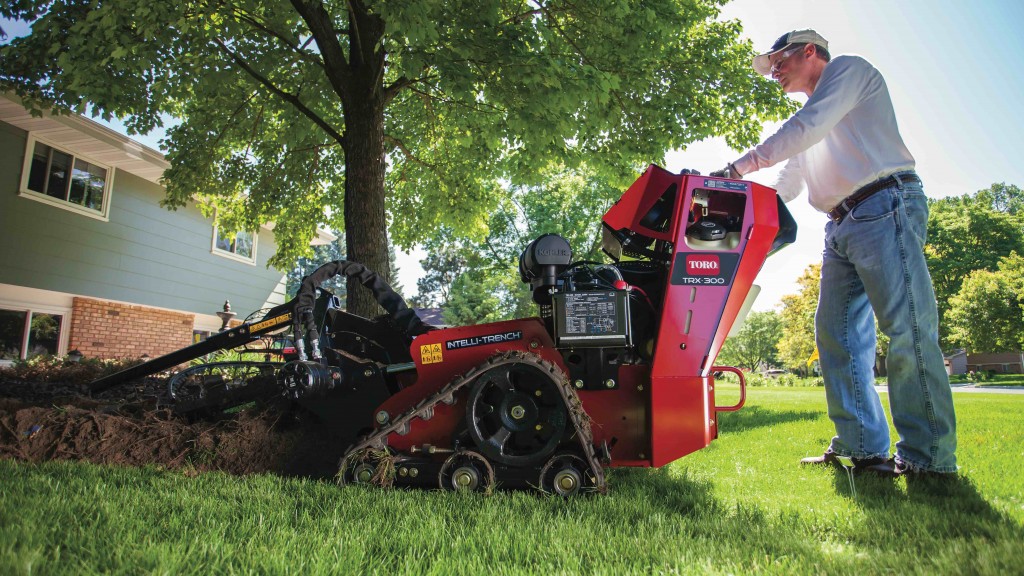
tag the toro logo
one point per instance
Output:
(703, 265)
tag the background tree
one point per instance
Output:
(446, 260)
(323, 254)
(408, 113)
(797, 320)
(1003, 197)
(987, 314)
(756, 344)
(968, 233)
(307, 264)
(569, 202)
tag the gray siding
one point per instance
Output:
(145, 254)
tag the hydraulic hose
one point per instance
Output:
(392, 302)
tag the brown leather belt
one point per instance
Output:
(864, 192)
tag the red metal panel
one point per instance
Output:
(636, 202)
(682, 417)
(620, 416)
(698, 313)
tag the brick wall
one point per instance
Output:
(101, 329)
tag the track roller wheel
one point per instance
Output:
(566, 475)
(368, 466)
(466, 471)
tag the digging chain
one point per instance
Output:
(377, 441)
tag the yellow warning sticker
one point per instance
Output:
(430, 353)
(271, 322)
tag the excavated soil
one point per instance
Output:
(133, 425)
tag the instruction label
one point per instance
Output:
(725, 185)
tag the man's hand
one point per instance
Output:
(729, 171)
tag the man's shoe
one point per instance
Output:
(887, 468)
(830, 458)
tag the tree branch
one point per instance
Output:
(245, 17)
(336, 66)
(397, 86)
(519, 18)
(287, 97)
(395, 142)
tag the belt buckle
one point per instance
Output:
(842, 210)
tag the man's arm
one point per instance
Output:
(790, 182)
(845, 82)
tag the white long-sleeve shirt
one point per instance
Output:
(844, 137)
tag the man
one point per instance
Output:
(845, 146)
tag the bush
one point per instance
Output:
(755, 380)
(47, 368)
(980, 375)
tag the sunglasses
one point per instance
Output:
(785, 56)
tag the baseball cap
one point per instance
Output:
(761, 61)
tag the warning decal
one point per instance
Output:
(271, 322)
(431, 353)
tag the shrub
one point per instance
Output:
(755, 380)
(980, 375)
(46, 368)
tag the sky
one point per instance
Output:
(952, 68)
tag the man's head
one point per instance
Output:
(795, 60)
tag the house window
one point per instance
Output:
(239, 245)
(26, 334)
(63, 179)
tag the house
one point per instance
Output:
(955, 362)
(998, 362)
(91, 262)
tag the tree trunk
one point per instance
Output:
(365, 222)
(366, 239)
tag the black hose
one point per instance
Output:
(392, 302)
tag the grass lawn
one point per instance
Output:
(740, 506)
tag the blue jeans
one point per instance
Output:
(874, 261)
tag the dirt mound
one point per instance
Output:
(132, 425)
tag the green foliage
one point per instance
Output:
(797, 319)
(305, 265)
(569, 203)
(760, 380)
(988, 378)
(477, 298)
(741, 506)
(446, 261)
(969, 233)
(1005, 198)
(46, 368)
(410, 114)
(756, 344)
(987, 314)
